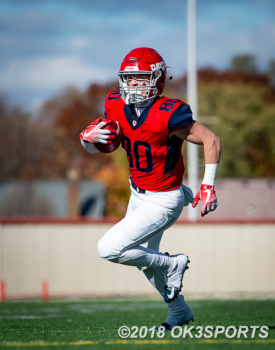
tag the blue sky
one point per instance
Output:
(47, 45)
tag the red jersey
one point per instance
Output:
(155, 159)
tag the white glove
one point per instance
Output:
(95, 133)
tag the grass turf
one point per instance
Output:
(94, 323)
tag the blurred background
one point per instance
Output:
(59, 58)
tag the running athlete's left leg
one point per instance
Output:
(122, 243)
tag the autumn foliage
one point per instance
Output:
(238, 106)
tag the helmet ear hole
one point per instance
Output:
(157, 73)
(161, 80)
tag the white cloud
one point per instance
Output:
(216, 45)
(46, 73)
(30, 82)
(46, 46)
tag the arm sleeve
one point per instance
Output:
(180, 118)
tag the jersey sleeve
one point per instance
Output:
(180, 118)
(111, 102)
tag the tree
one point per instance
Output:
(271, 72)
(244, 63)
(29, 149)
(246, 125)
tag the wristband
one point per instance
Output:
(210, 174)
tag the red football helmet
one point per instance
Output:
(142, 61)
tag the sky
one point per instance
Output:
(49, 45)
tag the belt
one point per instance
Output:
(139, 190)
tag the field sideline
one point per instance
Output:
(94, 323)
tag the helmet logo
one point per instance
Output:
(158, 65)
(132, 59)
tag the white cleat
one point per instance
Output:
(174, 280)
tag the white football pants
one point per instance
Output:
(135, 239)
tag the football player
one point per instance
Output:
(154, 128)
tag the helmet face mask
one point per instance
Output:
(140, 92)
(144, 62)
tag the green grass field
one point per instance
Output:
(94, 323)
